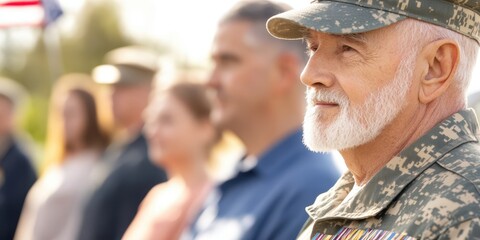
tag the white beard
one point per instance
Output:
(356, 126)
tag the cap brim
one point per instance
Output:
(106, 74)
(122, 75)
(329, 17)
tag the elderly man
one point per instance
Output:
(386, 87)
(260, 98)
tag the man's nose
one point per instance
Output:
(317, 71)
(214, 78)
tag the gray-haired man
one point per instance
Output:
(386, 87)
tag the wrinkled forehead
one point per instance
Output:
(310, 35)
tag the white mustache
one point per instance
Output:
(314, 96)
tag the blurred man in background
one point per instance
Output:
(127, 174)
(259, 98)
(16, 172)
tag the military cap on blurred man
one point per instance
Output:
(132, 65)
(127, 174)
(386, 87)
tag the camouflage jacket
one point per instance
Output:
(430, 190)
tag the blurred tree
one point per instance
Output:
(98, 32)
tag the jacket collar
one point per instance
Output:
(280, 155)
(276, 158)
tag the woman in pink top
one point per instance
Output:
(180, 135)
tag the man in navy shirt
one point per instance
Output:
(260, 99)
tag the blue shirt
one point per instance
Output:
(268, 200)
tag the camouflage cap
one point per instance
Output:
(357, 16)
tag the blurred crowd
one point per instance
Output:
(151, 160)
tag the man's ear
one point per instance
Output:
(441, 60)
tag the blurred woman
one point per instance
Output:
(181, 136)
(75, 141)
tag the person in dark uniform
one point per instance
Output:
(16, 172)
(127, 174)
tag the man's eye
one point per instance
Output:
(229, 60)
(311, 50)
(346, 48)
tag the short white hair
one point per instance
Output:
(418, 33)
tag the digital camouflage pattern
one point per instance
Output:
(356, 16)
(430, 190)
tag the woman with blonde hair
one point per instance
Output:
(75, 141)
(181, 136)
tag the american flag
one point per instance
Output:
(36, 13)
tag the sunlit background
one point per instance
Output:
(77, 41)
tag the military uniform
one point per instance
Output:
(430, 190)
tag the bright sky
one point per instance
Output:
(188, 26)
